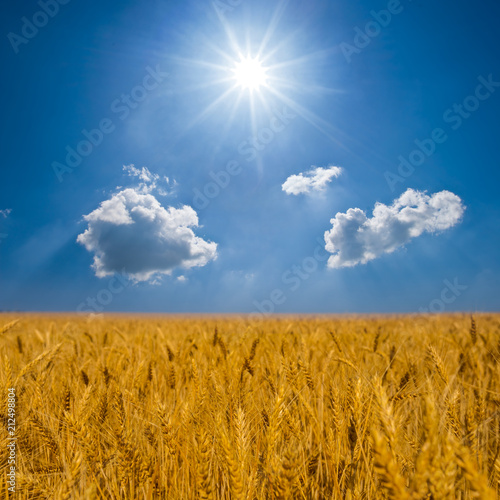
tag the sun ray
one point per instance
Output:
(317, 122)
(201, 116)
(278, 14)
(253, 120)
(227, 126)
(334, 134)
(284, 42)
(198, 62)
(229, 33)
(303, 59)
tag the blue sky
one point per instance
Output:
(156, 78)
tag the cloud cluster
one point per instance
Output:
(356, 239)
(315, 179)
(132, 233)
(5, 212)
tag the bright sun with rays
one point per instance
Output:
(257, 76)
(250, 74)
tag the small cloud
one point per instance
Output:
(315, 179)
(143, 174)
(133, 234)
(182, 279)
(149, 181)
(356, 239)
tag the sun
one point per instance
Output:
(250, 74)
(250, 79)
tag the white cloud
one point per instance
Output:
(5, 212)
(315, 179)
(133, 234)
(149, 182)
(356, 239)
(143, 174)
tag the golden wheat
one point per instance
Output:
(233, 408)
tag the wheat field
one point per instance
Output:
(129, 407)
